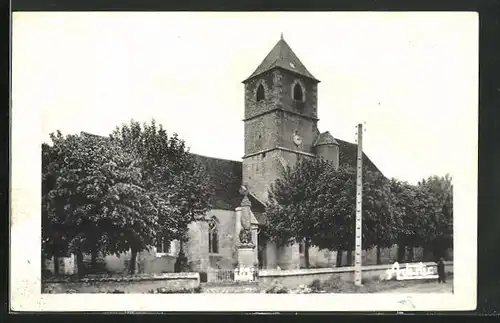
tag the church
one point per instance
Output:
(280, 124)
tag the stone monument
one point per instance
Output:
(245, 246)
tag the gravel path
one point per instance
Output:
(426, 288)
(413, 287)
(230, 289)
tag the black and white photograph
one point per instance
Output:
(276, 161)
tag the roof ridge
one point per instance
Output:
(349, 142)
(325, 138)
(256, 198)
(217, 158)
(280, 53)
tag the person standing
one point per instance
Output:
(441, 272)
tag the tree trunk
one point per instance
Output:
(339, 258)
(56, 265)
(379, 258)
(93, 260)
(411, 253)
(133, 258)
(401, 252)
(349, 258)
(79, 264)
(424, 253)
(181, 264)
(306, 253)
(442, 248)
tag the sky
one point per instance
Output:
(411, 78)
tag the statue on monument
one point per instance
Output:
(245, 233)
(245, 236)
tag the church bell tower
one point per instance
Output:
(280, 117)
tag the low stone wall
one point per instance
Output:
(125, 284)
(295, 277)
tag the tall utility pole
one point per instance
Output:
(359, 198)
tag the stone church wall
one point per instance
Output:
(289, 257)
(319, 258)
(197, 250)
(389, 256)
(252, 107)
(327, 259)
(262, 133)
(147, 262)
(309, 107)
(306, 128)
(324, 258)
(260, 171)
(329, 152)
(270, 255)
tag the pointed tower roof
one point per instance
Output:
(325, 138)
(282, 56)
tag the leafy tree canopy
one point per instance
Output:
(119, 193)
(316, 202)
(94, 197)
(170, 173)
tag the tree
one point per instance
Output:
(122, 193)
(380, 219)
(337, 211)
(180, 185)
(292, 200)
(314, 202)
(426, 215)
(416, 208)
(53, 240)
(441, 236)
(404, 197)
(97, 202)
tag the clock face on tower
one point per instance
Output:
(297, 139)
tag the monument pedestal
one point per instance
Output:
(246, 255)
(246, 259)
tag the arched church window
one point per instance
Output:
(162, 246)
(297, 92)
(213, 235)
(261, 94)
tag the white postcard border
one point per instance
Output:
(25, 283)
